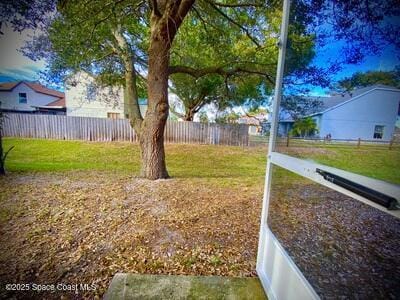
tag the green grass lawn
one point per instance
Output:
(373, 162)
(225, 164)
(183, 161)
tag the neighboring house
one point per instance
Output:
(255, 122)
(31, 97)
(285, 123)
(369, 114)
(85, 99)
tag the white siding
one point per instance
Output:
(10, 100)
(358, 117)
(108, 99)
(253, 130)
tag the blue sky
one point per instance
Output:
(385, 61)
(15, 66)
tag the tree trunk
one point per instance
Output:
(2, 170)
(2, 162)
(189, 115)
(165, 20)
(194, 108)
(151, 136)
(151, 129)
(153, 154)
(130, 92)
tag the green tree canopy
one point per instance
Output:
(360, 79)
(241, 62)
(227, 117)
(304, 127)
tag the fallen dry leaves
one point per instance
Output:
(84, 227)
(346, 249)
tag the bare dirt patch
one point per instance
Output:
(84, 227)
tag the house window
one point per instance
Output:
(22, 98)
(113, 115)
(91, 92)
(378, 132)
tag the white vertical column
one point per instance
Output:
(279, 275)
(275, 115)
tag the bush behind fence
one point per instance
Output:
(101, 129)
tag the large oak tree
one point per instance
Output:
(119, 41)
(124, 41)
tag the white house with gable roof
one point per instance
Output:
(30, 97)
(368, 113)
(86, 99)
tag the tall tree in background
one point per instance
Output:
(227, 117)
(228, 62)
(194, 93)
(359, 79)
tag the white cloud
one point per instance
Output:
(12, 62)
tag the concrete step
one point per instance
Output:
(139, 286)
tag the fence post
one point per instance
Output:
(359, 143)
(287, 140)
(391, 143)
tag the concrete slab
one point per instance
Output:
(137, 286)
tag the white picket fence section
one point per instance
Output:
(101, 129)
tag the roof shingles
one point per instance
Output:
(9, 86)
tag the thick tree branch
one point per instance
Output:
(154, 7)
(183, 9)
(197, 73)
(131, 94)
(199, 103)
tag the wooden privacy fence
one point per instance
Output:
(318, 142)
(298, 142)
(101, 129)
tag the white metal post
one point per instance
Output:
(274, 267)
(274, 126)
(275, 106)
(279, 76)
